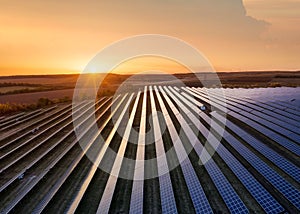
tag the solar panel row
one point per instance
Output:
(238, 151)
(44, 201)
(270, 107)
(262, 118)
(290, 192)
(266, 114)
(137, 194)
(263, 197)
(197, 194)
(273, 156)
(107, 196)
(290, 145)
(229, 195)
(282, 112)
(167, 196)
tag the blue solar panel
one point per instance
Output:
(295, 104)
(272, 125)
(258, 110)
(276, 158)
(227, 192)
(199, 199)
(137, 194)
(286, 118)
(264, 105)
(291, 111)
(112, 180)
(136, 202)
(291, 193)
(255, 105)
(196, 192)
(230, 197)
(287, 114)
(275, 120)
(281, 105)
(290, 145)
(263, 119)
(166, 192)
(268, 203)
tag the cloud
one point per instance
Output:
(202, 18)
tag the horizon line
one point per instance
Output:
(130, 74)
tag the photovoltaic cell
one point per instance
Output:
(290, 145)
(276, 158)
(137, 194)
(256, 109)
(107, 196)
(254, 115)
(168, 202)
(230, 197)
(197, 194)
(290, 192)
(268, 203)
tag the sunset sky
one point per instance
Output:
(39, 37)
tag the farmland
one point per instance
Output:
(58, 86)
(255, 167)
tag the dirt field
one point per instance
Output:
(14, 88)
(65, 80)
(29, 98)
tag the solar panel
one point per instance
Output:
(272, 125)
(136, 202)
(291, 193)
(267, 114)
(230, 197)
(259, 106)
(263, 197)
(196, 192)
(286, 118)
(287, 125)
(294, 104)
(107, 196)
(287, 114)
(273, 156)
(291, 146)
(166, 192)
(54, 189)
(263, 119)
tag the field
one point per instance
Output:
(254, 166)
(4, 90)
(33, 97)
(58, 86)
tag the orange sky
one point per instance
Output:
(38, 37)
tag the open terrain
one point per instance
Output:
(58, 86)
(254, 169)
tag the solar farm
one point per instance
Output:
(237, 152)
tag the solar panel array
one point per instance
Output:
(253, 186)
(247, 162)
(268, 131)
